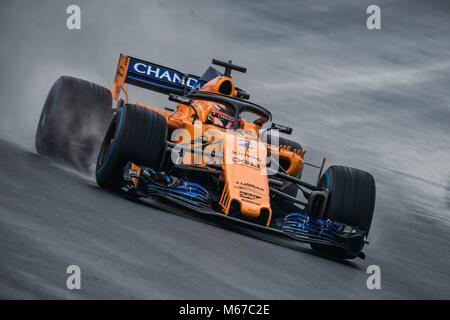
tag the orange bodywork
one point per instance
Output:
(244, 169)
(119, 79)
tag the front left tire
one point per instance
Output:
(137, 135)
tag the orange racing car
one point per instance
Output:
(215, 153)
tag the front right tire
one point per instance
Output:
(351, 200)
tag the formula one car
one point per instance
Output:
(215, 153)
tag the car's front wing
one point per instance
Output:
(294, 226)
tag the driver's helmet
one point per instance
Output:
(222, 117)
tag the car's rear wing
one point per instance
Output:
(152, 76)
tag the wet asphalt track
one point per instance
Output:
(378, 101)
(52, 217)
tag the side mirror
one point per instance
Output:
(281, 128)
(184, 100)
(242, 94)
(180, 99)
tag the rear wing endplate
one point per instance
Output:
(153, 77)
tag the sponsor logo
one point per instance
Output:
(250, 196)
(251, 202)
(249, 185)
(222, 116)
(247, 159)
(165, 74)
(245, 162)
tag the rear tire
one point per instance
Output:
(351, 200)
(74, 118)
(137, 135)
